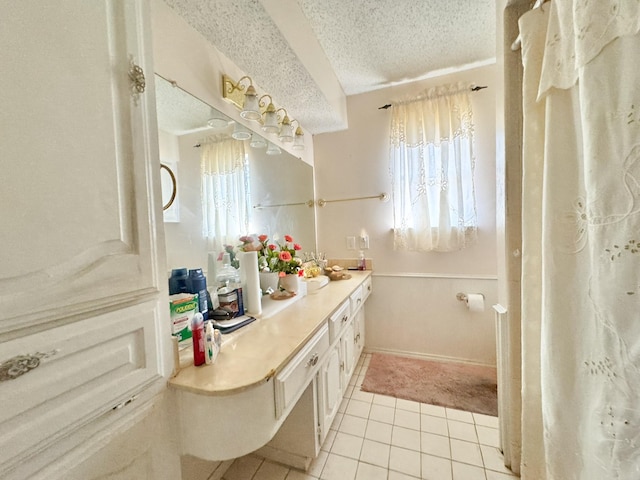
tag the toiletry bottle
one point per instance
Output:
(178, 281)
(198, 284)
(197, 332)
(209, 344)
(362, 263)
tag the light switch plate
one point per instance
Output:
(364, 242)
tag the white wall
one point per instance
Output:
(413, 309)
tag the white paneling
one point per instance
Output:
(422, 317)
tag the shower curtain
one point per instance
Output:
(581, 241)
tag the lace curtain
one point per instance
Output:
(225, 191)
(581, 236)
(431, 167)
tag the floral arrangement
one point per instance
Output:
(275, 257)
(235, 263)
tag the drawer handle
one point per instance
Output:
(313, 360)
(21, 364)
(359, 301)
(345, 318)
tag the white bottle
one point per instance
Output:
(209, 344)
(362, 263)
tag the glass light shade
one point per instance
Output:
(286, 130)
(257, 141)
(298, 140)
(217, 122)
(241, 133)
(273, 150)
(270, 120)
(250, 107)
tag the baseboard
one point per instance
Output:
(286, 458)
(426, 356)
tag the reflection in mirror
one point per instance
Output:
(280, 187)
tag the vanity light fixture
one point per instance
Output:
(270, 124)
(241, 133)
(217, 123)
(273, 149)
(249, 105)
(257, 141)
(298, 139)
(286, 129)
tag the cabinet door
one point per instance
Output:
(330, 390)
(84, 325)
(79, 161)
(358, 322)
(347, 342)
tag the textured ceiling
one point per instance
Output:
(369, 44)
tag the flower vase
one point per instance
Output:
(290, 283)
(268, 282)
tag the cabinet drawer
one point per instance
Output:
(59, 380)
(356, 299)
(292, 380)
(366, 288)
(338, 320)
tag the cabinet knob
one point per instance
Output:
(312, 362)
(345, 318)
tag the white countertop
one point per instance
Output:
(257, 352)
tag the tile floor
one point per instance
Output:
(376, 437)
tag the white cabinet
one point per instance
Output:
(347, 347)
(330, 389)
(84, 328)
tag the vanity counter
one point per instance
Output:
(256, 353)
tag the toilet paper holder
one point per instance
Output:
(463, 296)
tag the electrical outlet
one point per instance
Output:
(364, 242)
(351, 243)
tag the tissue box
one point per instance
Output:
(183, 306)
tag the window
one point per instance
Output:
(431, 167)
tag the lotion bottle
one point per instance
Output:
(197, 332)
(362, 263)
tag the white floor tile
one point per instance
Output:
(405, 438)
(347, 445)
(435, 445)
(431, 424)
(462, 471)
(362, 396)
(436, 468)
(271, 471)
(338, 467)
(488, 436)
(370, 472)
(400, 476)
(353, 425)
(385, 400)
(358, 408)
(434, 410)
(466, 452)
(328, 441)
(460, 415)
(379, 431)
(486, 420)
(318, 464)
(493, 459)
(409, 405)
(375, 453)
(404, 418)
(381, 413)
(462, 431)
(297, 475)
(491, 475)
(243, 468)
(404, 461)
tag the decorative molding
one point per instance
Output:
(444, 276)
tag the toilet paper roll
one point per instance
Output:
(250, 280)
(475, 302)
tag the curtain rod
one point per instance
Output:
(473, 89)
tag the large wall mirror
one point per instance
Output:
(280, 185)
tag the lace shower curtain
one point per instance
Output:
(431, 167)
(581, 230)
(225, 192)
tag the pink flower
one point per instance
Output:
(285, 256)
(220, 256)
(282, 274)
(287, 238)
(297, 246)
(262, 238)
(272, 247)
